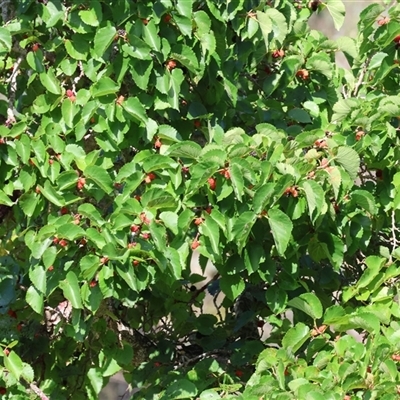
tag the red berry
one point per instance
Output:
(198, 221)
(157, 143)
(144, 219)
(81, 183)
(303, 74)
(19, 327)
(195, 244)
(120, 100)
(12, 313)
(145, 21)
(320, 143)
(131, 245)
(51, 268)
(6, 352)
(104, 260)
(197, 123)
(360, 135)
(170, 64)
(397, 39)
(157, 364)
(212, 183)
(167, 18)
(383, 21)
(64, 210)
(3, 390)
(63, 243)
(135, 263)
(93, 283)
(278, 53)
(35, 47)
(56, 240)
(135, 228)
(146, 236)
(150, 177)
(70, 93)
(208, 209)
(239, 373)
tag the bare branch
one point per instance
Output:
(38, 392)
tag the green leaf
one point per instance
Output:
(365, 200)
(35, 299)
(374, 266)
(50, 193)
(276, 299)
(315, 198)
(181, 389)
(299, 115)
(337, 10)
(309, 303)
(77, 47)
(37, 275)
(50, 82)
(52, 13)
(295, 337)
(344, 107)
(70, 231)
(184, 149)
(349, 160)
(23, 148)
(14, 364)
(88, 210)
(158, 162)
(68, 111)
(89, 265)
(100, 177)
(174, 90)
(104, 86)
(242, 228)
(279, 25)
(156, 198)
(141, 71)
(5, 38)
(232, 286)
(320, 63)
(366, 321)
(96, 379)
(266, 27)
(281, 227)
(71, 291)
(151, 36)
(376, 60)
(134, 107)
(4, 199)
(49, 256)
(103, 38)
(89, 17)
(236, 177)
(210, 229)
(127, 274)
(34, 59)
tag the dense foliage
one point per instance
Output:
(134, 134)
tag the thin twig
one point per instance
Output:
(361, 77)
(12, 80)
(38, 391)
(394, 229)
